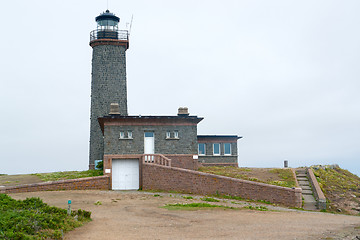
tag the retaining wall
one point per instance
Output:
(318, 194)
(156, 177)
(101, 182)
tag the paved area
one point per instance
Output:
(138, 215)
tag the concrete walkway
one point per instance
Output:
(309, 200)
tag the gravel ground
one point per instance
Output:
(137, 215)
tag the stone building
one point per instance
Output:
(124, 142)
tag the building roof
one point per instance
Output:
(218, 137)
(139, 120)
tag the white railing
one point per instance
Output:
(156, 159)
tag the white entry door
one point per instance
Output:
(149, 145)
(125, 174)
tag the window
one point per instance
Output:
(176, 134)
(216, 148)
(122, 135)
(130, 134)
(227, 149)
(168, 134)
(149, 134)
(201, 149)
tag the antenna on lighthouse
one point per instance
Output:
(132, 17)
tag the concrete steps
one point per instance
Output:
(309, 200)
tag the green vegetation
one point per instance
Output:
(286, 175)
(194, 206)
(156, 195)
(258, 208)
(55, 176)
(210, 199)
(186, 197)
(337, 183)
(278, 177)
(98, 203)
(33, 219)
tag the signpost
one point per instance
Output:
(69, 207)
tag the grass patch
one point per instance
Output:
(194, 206)
(34, 219)
(55, 176)
(258, 208)
(337, 183)
(187, 197)
(209, 199)
(277, 176)
(156, 195)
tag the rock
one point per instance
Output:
(339, 210)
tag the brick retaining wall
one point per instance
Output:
(101, 182)
(156, 177)
(183, 161)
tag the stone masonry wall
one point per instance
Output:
(108, 85)
(185, 144)
(156, 177)
(101, 182)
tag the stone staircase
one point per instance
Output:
(309, 200)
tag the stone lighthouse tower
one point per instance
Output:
(108, 76)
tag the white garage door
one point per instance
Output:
(125, 174)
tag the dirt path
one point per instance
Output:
(136, 215)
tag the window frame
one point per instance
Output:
(176, 134)
(129, 134)
(227, 154)
(202, 154)
(217, 154)
(168, 134)
(122, 135)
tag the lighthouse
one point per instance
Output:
(108, 77)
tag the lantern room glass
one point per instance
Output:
(107, 24)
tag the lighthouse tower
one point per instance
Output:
(108, 76)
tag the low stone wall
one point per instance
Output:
(156, 177)
(318, 194)
(101, 182)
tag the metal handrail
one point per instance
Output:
(99, 34)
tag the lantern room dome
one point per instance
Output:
(107, 15)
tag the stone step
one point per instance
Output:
(302, 179)
(309, 199)
(305, 188)
(307, 192)
(305, 183)
(310, 206)
(301, 175)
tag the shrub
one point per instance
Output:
(33, 219)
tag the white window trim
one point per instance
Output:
(122, 135)
(168, 134)
(202, 154)
(130, 134)
(176, 134)
(227, 154)
(216, 154)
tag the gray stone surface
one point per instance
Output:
(108, 85)
(210, 158)
(186, 144)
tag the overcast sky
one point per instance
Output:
(282, 74)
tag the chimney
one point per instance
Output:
(114, 108)
(183, 111)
